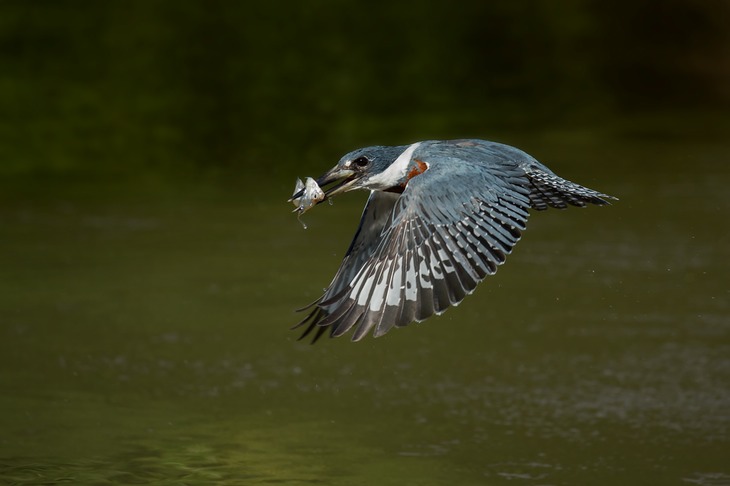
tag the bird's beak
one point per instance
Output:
(344, 178)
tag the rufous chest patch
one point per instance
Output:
(419, 168)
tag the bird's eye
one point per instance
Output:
(361, 161)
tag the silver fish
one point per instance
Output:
(310, 197)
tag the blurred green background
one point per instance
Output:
(267, 87)
(149, 261)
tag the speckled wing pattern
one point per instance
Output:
(419, 252)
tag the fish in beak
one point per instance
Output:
(309, 193)
(343, 180)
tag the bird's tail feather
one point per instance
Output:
(550, 190)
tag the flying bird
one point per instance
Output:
(441, 216)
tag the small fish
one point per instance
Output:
(310, 197)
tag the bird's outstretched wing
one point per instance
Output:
(418, 253)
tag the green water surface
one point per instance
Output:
(144, 339)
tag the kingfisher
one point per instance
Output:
(442, 216)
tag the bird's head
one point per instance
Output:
(372, 168)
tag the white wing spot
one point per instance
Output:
(423, 272)
(365, 292)
(394, 290)
(411, 283)
(376, 302)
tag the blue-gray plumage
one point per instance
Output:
(442, 215)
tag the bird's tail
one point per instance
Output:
(549, 190)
